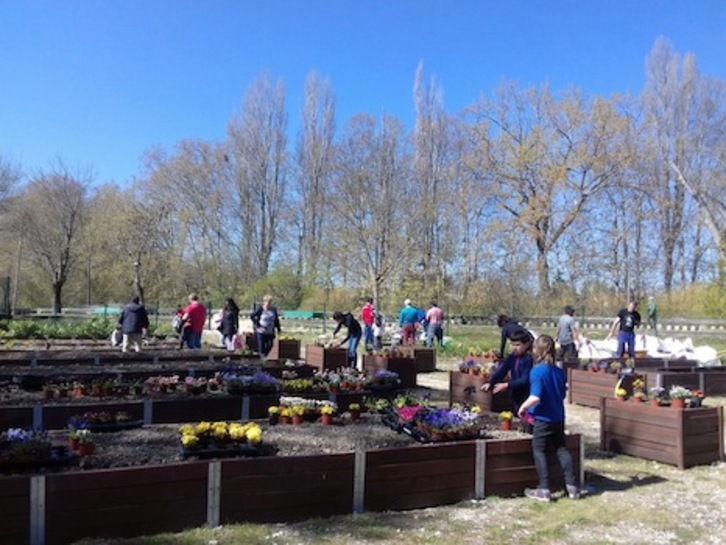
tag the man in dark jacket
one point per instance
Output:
(508, 326)
(134, 323)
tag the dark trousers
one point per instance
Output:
(264, 343)
(568, 352)
(549, 437)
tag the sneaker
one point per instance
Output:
(573, 492)
(539, 494)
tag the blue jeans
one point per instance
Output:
(264, 343)
(194, 340)
(626, 337)
(434, 332)
(353, 351)
(368, 335)
(548, 437)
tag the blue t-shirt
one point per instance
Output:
(549, 384)
(408, 316)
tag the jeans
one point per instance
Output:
(264, 343)
(353, 351)
(434, 331)
(568, 352)
(626, 337)
(368, 335)
(549, 436)
(194, 340)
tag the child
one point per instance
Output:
(518, 365)
(545, 402)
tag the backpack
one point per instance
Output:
(176, 323)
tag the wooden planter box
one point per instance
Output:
(134, 501)
(465, 389)
(288, 349)
(326, 358)
(712, 381)
(405, 367)
(681, 437)
(425, 358)
(588, 388)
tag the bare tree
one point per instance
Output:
(258, 142)
(50, 215)
(315, 156)
(371, 203)
(550, 157)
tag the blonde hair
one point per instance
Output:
(544, 349)
(266, 298)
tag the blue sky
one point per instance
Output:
(98, 82)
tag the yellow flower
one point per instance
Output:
(476, 409)
(285, 411)
(273, 410)
(354, 407)
(254, 434)
(186, 429)
(506, 415)
(189, 441)
(237, 431)
(203, 427)
(621, 392)
(298, 410)
(327, 409)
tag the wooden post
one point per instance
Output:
(214, 488)
(37, 510)
(359, 480)
(480, 469)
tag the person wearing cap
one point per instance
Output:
(407, 320)
(435, 320)
(652, 315)
(567, 335)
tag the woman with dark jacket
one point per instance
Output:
(266, 320)
(230, 323)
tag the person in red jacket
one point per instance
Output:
(194, 317)
(368, 316)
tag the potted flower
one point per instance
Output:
(505, 420)
(621, 393)
(697, 399)
(678, 395)
(78, 389)
(657, 396)
(297, 411)
(285, 415)
(354, 410)
(615, 367)
(86, 446)
(273, 415)
(640, 397)
(326, 414)
(48, 391)
(639, 390)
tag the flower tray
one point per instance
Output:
(60, 456)
(99, 427)
(229, 451)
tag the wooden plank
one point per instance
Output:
(14, 509)
(460, 449)
(405, 367)
(466, 389)
(16, 417)
(56, 416)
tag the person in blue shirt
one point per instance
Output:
(518, 366)
(407, 320)
(548, 387)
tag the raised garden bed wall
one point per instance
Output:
(284, 349)
(680, 437)
(711, 380)
(588, 388)
(326, 358)
(466, 390)
(165, 411)
(405, 367)
(14, 513)
(67, 358)
(128, 502)
(425, 358)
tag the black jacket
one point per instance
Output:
(352, 324)
(133, 318)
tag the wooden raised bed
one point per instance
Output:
(14, 512)
(588, 388)
(466, 389)
(712, 380)
(405, 367)
(425, 358)
(681, 437)
(287, 349)
(326, 358)
(137, 501)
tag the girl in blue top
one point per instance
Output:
(547, 391)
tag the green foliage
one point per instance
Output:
(95, 328)
(282, 283)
